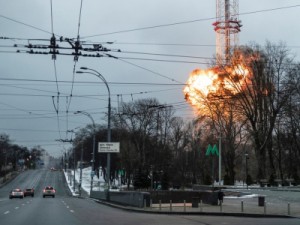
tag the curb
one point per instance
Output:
(9, 180)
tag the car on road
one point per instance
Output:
(49, 191)
(29, 192)
(16, 193)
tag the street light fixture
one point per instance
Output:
(99, 75)
(93, 158)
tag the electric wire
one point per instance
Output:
(74, 67)
(164, 60)
(25, 24)
(166, 55)
(94, 83)
(56, 107)
(151, 71)
(186, 22)
(68, 102)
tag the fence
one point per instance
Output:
(247, 206)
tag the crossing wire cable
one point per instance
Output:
(188, 21)
(56, 107)
(151, 71)
(75, 63)
(25, 24)
(69, 99)
(156, 26)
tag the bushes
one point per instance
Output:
(207, 180)
(141, 180)
(249, 180)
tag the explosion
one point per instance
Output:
(202, 84)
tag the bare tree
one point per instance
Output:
(262, 87)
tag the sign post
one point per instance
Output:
(109, 147)
(212, 151)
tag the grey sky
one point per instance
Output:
(27, 112)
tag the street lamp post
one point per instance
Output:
(80, 174)
(93, 158)
(74, 162)
(99, 75)
(246, 158)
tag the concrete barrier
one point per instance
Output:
(128, 198)
(138, 199)
(177, 196)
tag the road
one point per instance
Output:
(67, 210)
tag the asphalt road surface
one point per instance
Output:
(67, 210)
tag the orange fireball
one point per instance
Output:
(202, 84)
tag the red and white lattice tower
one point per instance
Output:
(227, 27)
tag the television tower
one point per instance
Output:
(227, 27)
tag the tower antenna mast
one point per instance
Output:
(227, 27)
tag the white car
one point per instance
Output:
(16, 193)
(49, 191)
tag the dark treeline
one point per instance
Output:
(15, 157)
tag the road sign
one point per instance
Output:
(109, 147)
(212, 150)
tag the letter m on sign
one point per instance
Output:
(212, 150)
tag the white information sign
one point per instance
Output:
(109, 147)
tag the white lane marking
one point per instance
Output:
(68, 207)
(72, 211)
(23, 204)
(6, 212)
(17, 207)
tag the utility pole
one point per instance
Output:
(99, 75)
(94, 146)
(70, 141)
(246, 158)
(80, 178)
(220, 158)
(74, 168)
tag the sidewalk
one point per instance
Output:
(276, 205)
(69, 181)
(236, 206)
(230, 207)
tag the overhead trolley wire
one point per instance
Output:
(77, 46)
(156, 26)
(187, 22)
(90, 82)
(75, 61)
(151, 71)
(165, 55)
(164, 60)
(25, 24)
(53, 44)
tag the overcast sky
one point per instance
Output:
(28, 81)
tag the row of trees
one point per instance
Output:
(262, 109)
(257, 117)
(14, 157)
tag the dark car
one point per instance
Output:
(16, 193)
(29, 192)
(49, 191)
